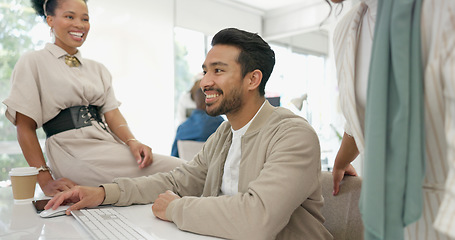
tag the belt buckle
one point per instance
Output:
(81, 117)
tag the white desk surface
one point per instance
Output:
(20, 221)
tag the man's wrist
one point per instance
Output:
(170, 209)
(111, 193)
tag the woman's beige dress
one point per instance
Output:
(43, 85)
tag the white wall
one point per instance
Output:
(295, 20)
(135, 41)
(314, 42)
(210, 16)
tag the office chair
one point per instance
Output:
(188, 148)
(341, 212)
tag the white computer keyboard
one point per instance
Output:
(107, 223)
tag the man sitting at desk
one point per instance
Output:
(199, 126)
(257, 176)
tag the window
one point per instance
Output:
(190, 50)
(296, 74)
(21, 30)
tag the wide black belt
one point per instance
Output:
(72, 118)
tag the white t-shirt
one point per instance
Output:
(230, 181)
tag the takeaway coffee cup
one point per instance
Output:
(23, 181)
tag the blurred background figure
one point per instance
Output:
(199, 125)
(186, 102)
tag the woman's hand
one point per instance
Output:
(141, 152)
(346, 154)
(51, 187)
(26, 135)
(338, 175)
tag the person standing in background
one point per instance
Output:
(353, 41)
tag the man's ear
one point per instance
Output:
(255, 78)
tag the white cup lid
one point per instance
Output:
(23, 171)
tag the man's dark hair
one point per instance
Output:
(255, 53)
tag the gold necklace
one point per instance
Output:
(72, 61)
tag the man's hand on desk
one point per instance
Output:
(162, 202)
(81, 197)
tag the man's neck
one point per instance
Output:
(245, 114)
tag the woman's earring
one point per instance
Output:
(51, 31)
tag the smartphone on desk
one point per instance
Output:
(39, 204)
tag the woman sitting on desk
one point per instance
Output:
(88, 140)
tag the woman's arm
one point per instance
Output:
(119, 127)
(26, 135)
(346, 154)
